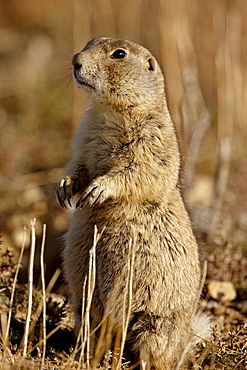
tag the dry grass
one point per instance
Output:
(202, 49)
(30, 350)
(25, 335)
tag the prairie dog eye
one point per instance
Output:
(118, 54)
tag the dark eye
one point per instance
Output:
(118, 54)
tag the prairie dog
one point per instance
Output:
(125, 170)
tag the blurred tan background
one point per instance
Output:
(201, 46)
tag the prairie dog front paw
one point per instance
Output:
(66, 188)
(96, 192)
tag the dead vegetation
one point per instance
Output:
(202, 49)
(36, 326)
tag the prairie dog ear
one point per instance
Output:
(151, 64)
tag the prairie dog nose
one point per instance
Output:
(76, 62)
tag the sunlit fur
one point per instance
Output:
(125, 170)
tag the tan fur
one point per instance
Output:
(125, 168)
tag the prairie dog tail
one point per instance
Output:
(201, 328)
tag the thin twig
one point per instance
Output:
(42, 340)
(30, 288)
(43, 294)
(182, 357)
(53, 281)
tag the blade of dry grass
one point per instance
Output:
(127, 295)
(3, 326)
(39, 309)
(37, 314)
(24, 341)
(91, 286)
(84, 332)
(90, 291)
(41, 341)
(80, 333)
(6, 337)
(103, 331)
(43, 295)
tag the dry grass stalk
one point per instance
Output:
(41, 341)
(84, 332)
(38, 311)
(6, 336)
(102, 335)
(30, 326)
(3, 325)
(24, 341)
(90, 290)
(43, 295)
(53, 281)
(104, 342)
(127, 296)
(182, 357)
(40, 307)
(80, 333)
(91, 286)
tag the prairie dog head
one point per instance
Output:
(120, 73)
